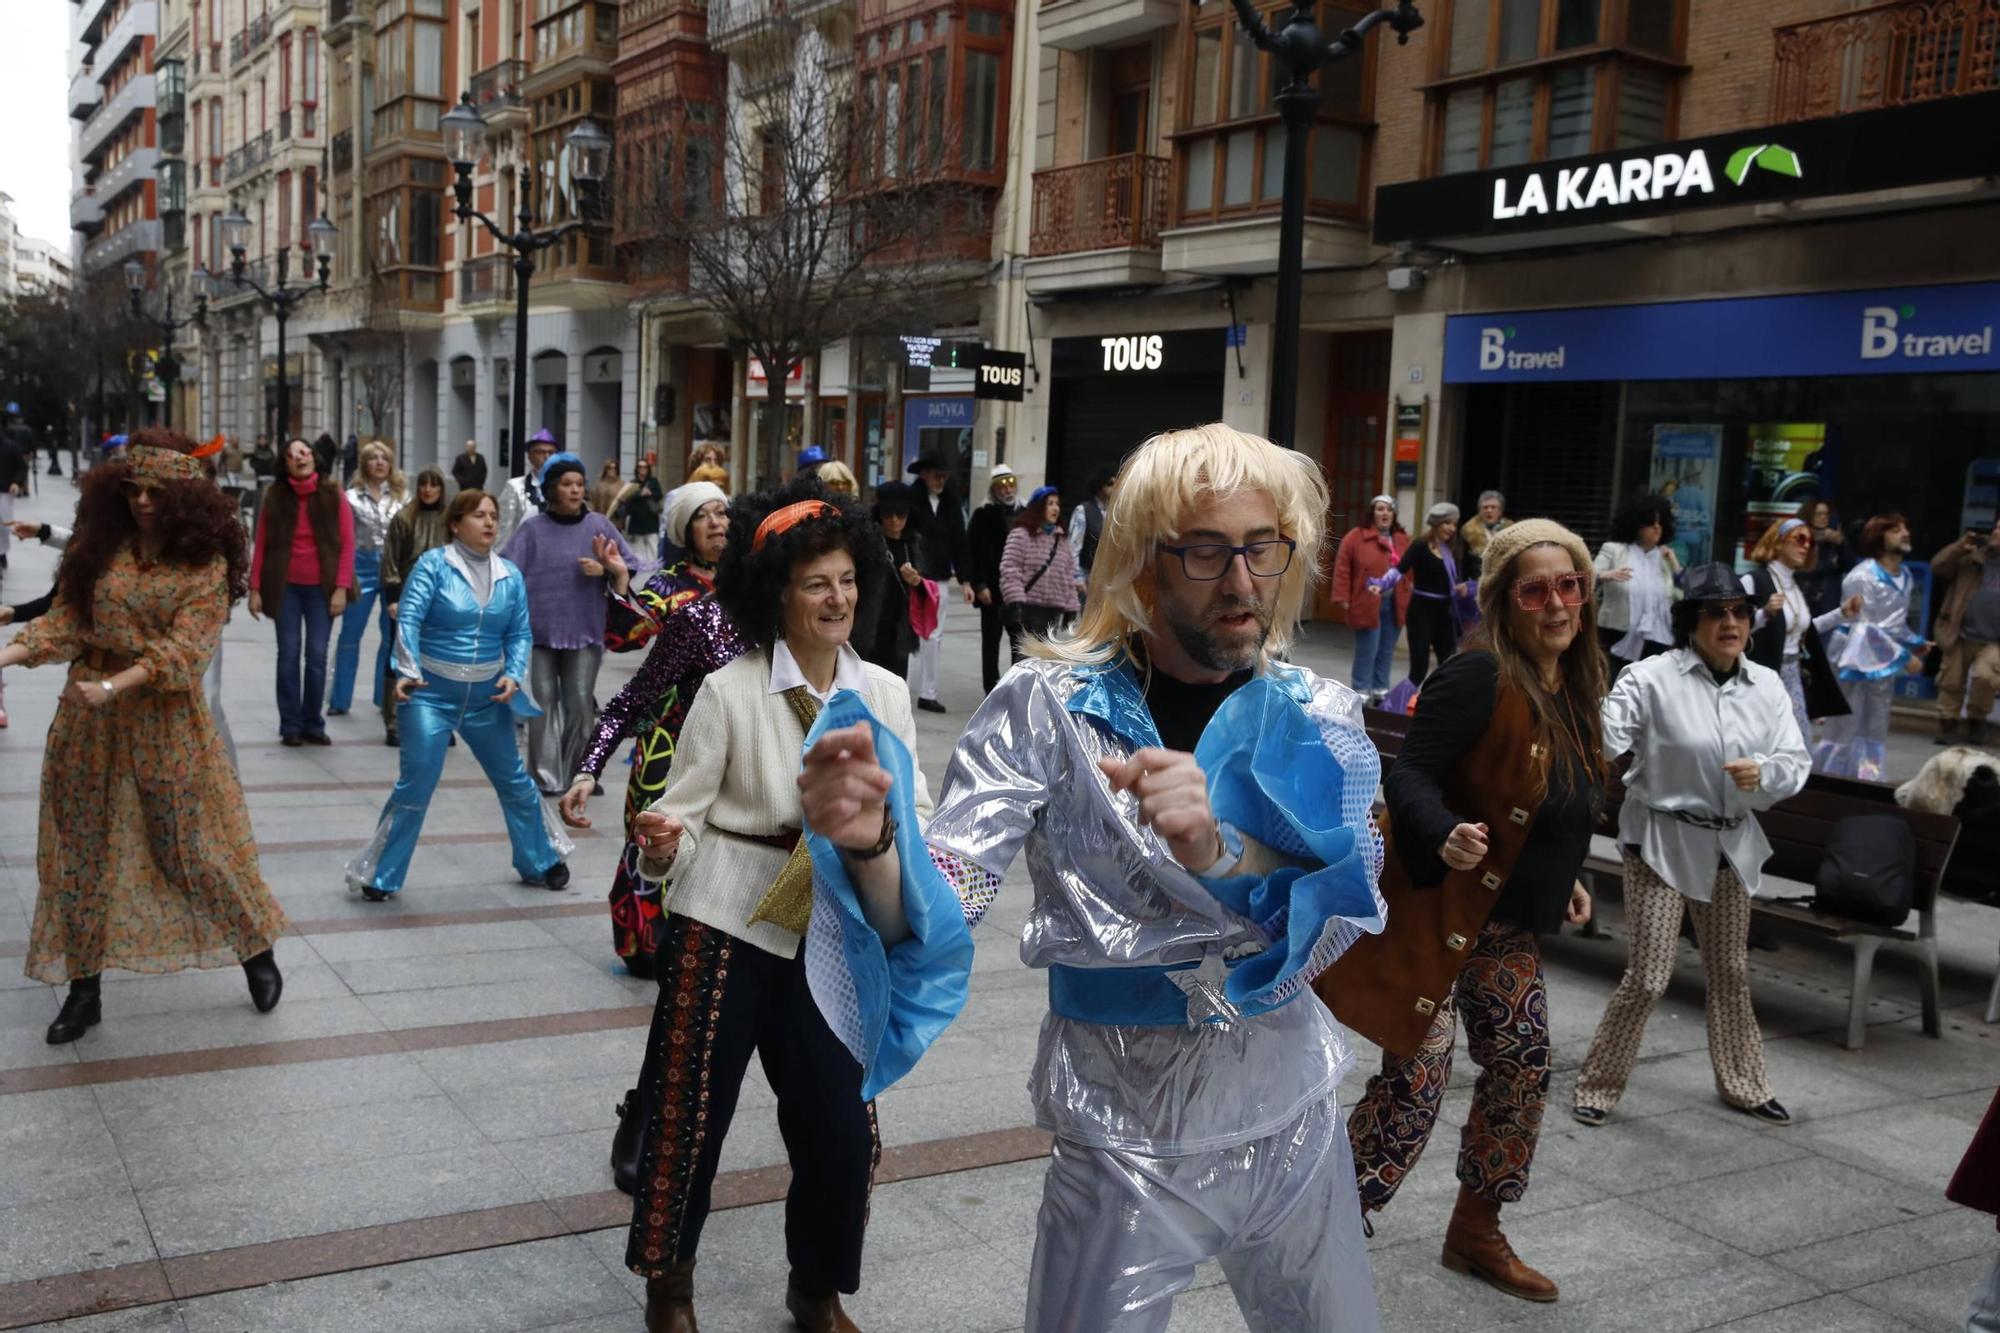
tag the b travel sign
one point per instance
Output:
(1919, 144)
(1888, 331)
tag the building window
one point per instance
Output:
(932, 90)
(1229, 149)
(1527, 80)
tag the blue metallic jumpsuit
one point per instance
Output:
(459, 649)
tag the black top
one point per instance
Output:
(1424, 566)
(1181, 711)
(987, 540)
(882, 620)
(469, 471)
(945, 556)
(1452, 713)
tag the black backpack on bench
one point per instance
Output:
(1869, 872)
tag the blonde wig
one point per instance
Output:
(1159, 487)
(399, 488)
(837, 477)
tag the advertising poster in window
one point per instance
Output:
(1784, 465)
(1686, 459)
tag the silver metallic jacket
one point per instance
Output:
(1108, 895)
(371, 516)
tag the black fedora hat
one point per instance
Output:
(925, 462)
(1712, 582)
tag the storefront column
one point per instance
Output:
(1416, 374)
(1246, 397)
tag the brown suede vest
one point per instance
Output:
(281, 520)
(1388, 987)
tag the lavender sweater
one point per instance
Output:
(565, 606)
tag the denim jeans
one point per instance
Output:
(304, 621)
(353, 624)
(1374, 653)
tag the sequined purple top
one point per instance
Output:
(694, 641)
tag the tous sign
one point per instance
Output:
(1145, 352)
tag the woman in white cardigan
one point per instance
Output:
(1636, 580)
(725, 836)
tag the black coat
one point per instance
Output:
(887, 636)
(986, 542)
(945, 548)
(1767, 649)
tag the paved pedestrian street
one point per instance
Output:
(416, 1138)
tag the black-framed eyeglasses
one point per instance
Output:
(1206, 562)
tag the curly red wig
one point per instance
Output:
(198, 522)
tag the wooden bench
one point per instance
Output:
(1798, 829)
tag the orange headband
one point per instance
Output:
(784, 520)
(209, 450)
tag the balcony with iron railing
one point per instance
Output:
(499, 97)
(1884, 55)
(246, 43)
(1114, 202)
(224, 291)
(485, 280)
(731, 22)
(247, 159)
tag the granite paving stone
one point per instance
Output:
(141, 1104)
(47, 1236)
(1824, 1314)
(221, 1214)
(1781, 1207)
(1885, 1253)
(1930, 1297)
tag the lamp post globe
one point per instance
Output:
(135, 277)
(464, 131)
(590, 153)
(235, 232)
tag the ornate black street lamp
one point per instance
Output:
(1300, 51)
(281, 298)
(168, 368)
(465, 144)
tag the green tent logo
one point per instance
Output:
(1769, 156)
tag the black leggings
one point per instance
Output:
(1431, 630)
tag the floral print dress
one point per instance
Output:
(146, 860)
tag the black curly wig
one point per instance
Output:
(1641, 511)
(751, 585)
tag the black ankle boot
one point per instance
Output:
(266, 982)
(625, 1145)
(82, 1008)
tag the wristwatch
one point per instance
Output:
(1232, 852)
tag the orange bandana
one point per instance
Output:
(784, 520)
(162, 465)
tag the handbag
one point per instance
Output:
(1869, 871)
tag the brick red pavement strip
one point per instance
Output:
(430, 840)
(290, 788)
(185, 1278)
(346, 925)
(84, 1073)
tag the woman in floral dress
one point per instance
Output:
(146, 858)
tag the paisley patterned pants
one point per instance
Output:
(720, 1001)
(1499, 991)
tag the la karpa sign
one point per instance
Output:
(1640, 179)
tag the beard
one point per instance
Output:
(1197, 635)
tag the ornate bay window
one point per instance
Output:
(1229, 153)
(556, 196)
(933, 87)
(405, 224)
(409, 93)
(1526, 80)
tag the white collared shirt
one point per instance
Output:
(848, 672)
(1680, 727)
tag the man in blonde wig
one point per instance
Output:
(1195, 818)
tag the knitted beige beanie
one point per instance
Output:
(1510, 541)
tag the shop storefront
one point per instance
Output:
(1110, 392)
(1740, 410)
(941, 425)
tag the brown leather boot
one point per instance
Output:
(1473, 1244)
(670, 1301)
(816, 1312)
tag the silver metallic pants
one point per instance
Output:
(563, 681)
(1120, 1234)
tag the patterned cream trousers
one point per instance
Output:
(1722, 928)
